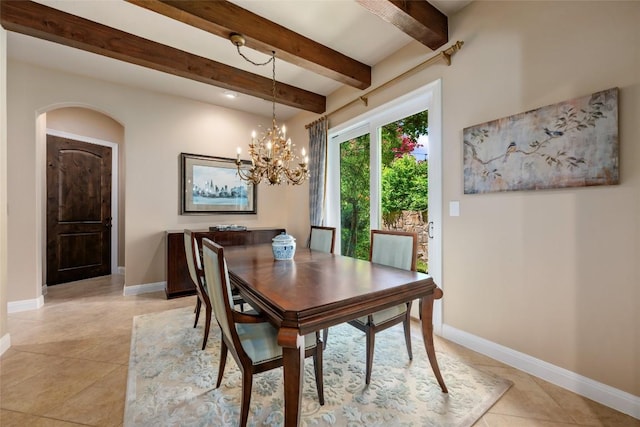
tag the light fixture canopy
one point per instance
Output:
(273, 157)
(230, 94)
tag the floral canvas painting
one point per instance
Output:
(570, 144)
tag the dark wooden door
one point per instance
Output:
(78, 210)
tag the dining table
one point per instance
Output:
(316, 290)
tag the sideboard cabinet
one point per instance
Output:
(178, 280)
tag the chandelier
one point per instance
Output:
(273, 156)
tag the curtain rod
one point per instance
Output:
(443, 55)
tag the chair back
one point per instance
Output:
(322, 238)
(193, 258)
(217, 278)
(394, 248)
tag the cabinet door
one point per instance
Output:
(179, 281)
(264, 236)
(231, 238)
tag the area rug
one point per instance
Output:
(171, 382)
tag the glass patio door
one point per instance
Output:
(348, 141)
(382, 181)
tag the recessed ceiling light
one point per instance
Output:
(230, 94)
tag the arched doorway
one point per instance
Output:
(83, 200)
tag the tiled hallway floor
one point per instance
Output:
(67, 366)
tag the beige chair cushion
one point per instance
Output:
(260, 341)
(384, 315)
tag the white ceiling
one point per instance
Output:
(342, 25)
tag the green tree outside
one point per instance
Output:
(404, 187)
(355, 205)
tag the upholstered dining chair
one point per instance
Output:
(196, 272)
(322, 239)
(192, 254)
(252, 340)
(396, 249)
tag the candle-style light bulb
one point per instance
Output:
(303, 152)
(306, 159)
(284, 131)
(239, 151)
(253, 135)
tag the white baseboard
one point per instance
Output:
(25, 305)
(144, 288)
(594, 390)
(5, 343)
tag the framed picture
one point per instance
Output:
(212, 185)
(573, 143)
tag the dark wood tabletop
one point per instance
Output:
(316, 290)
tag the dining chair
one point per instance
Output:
(322, 239)
(197, 276)
(252, 341)
(395, 249)
(196, 272)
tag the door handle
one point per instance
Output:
(430, 229)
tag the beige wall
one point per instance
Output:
(157, 129)
(90, 123)
(3, 184)
(552, 274)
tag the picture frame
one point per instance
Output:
(572, 143)
(211, 185)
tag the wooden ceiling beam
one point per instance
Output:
(223, 18)
(37, 20)
(418, 18)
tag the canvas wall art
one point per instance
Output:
(570, 144)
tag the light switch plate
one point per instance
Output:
(454, 208)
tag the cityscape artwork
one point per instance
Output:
(212, 185)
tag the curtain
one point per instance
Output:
(317, 169)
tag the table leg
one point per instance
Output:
(293, 363)
(427, 334)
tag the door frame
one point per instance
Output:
(428, 97)
(114, 188)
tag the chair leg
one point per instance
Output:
(197, 310)
(371, 340)
(223, 361)
(317, 365)
(325, 337)
(247, 382)
(207, 326)
(407, 334)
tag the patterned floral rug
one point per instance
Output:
(172, 382)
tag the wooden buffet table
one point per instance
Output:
(178, 279)
(316, 290)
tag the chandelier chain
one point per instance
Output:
(259, 64)
(273, 85)
(273, 156)
(271, 60)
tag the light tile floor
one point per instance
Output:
(67, 366)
